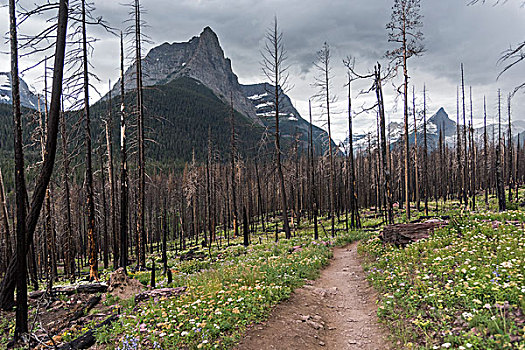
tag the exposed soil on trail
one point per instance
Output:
(336, 311)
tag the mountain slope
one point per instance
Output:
(202, 59)
(179, 115)
(27, 98)
(291, 124)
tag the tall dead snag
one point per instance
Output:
(111, 177)
(517, 172)
(20, 184)
(90, 203)
(426, 191)
(386, 171)
(404, 28)
(69, 251)
(416, 150)
(16, 271)
(275, 68)
(485, 155)
(473, 155)
(464, 141)
(313, 196)
(323, 83)
(123, 168)
(5, 220)
(141, 233)
(459, 172)
(355, 221)
(500, 187)
(233, 155)
(246, 228)
(510, 153)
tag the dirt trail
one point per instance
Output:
(336, 311)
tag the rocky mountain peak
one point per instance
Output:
(27, 97)
(201, 58)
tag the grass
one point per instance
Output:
(228, 290)
(463, 288)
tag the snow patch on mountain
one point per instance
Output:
(27, 97)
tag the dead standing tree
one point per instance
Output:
(274, 66)
(123, 168)
(134, 31)
(16, 272)
(378, 77)
(405, 30)
(354, 208)
(323, 84)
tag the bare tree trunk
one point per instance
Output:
(141, 254)
(20, 186)
(123, 168)
(275, 72)
(15, 273)
(425, 152)
(90, 204)
(510, 152)
(111, 178)
(416, 151)
(312, 175)
(386, 172)
(5, 220)
(407, 146)
(233, 154)
(104, 212)
(465, 159)
(499, 176)
(354, 209)
(458, 150)
(485, 155)
(69, 254)
(472, 157)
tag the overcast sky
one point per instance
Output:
(454, 33)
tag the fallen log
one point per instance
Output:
(159, 293)
(192, 255)
(401, 235)
(87, 340)
(84, 309)
(91, 288)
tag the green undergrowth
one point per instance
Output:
(226, 291)
(462, 288)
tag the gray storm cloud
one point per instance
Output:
(454, 33)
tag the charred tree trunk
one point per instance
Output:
(485, 155)
(15, 273)
(5, 221)
(111, 178)
(426, 191)
(500, 187)
(67, 226)
(354, 208)
(233, 154)
(510, 153)
(20, 187)
(386, 172)
(141, 233)
(416, 151)
(313, 194)
(90, 204)
(123, 168)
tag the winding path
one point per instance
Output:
(336, 311)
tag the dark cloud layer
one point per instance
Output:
(454, 33)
